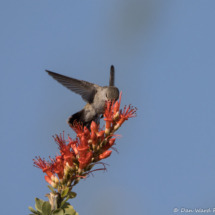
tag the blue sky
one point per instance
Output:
(164, 56)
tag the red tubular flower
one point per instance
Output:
(82, 150)
(65, 149)
(108, 125)
(127, 113)
(72, 143)
(84, 161)
(48, 172)
(67, 155)
(44, 165)
(78, 128)
(116, 107)
(89, 157)
(84, 141)
(109, 107)
(58, 167)
(116, 111)
(60, 141)
(69, 162)
(108, 116)
(83, 146)
(59, 171)
(86, 132)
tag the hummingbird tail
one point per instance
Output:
(77, 116)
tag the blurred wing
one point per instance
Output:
(83, 88)
(112, 76)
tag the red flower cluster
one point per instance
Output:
(79, 156)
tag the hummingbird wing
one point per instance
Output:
(86, 89)
(112, 76)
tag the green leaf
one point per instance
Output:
(69, 210)
(39, 203)
(32, 210)
(72, 195)
(51, 188)
(65, 205)
(37, 212)
(76, 213)
(46, 208)
(64, 193)
(64, 201)
(59, 211)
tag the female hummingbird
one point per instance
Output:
(93, 94)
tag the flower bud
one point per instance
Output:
(66, 170)
(116, 127)
(116, 107)
(62, 180)
(104, 155)
(107, 128)
(103, 143)
(109, 144)
(56, 179)
(71, 168)
(50, 182)
(101, 135)
(116, 116)
(48, 172)
(94, 127)
(76, 181)
(55, 186)
(94, 139)
(108, 120)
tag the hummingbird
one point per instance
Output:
(93, 94)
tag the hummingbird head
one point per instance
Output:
(112, 93)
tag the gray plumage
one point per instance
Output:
(93, 94)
